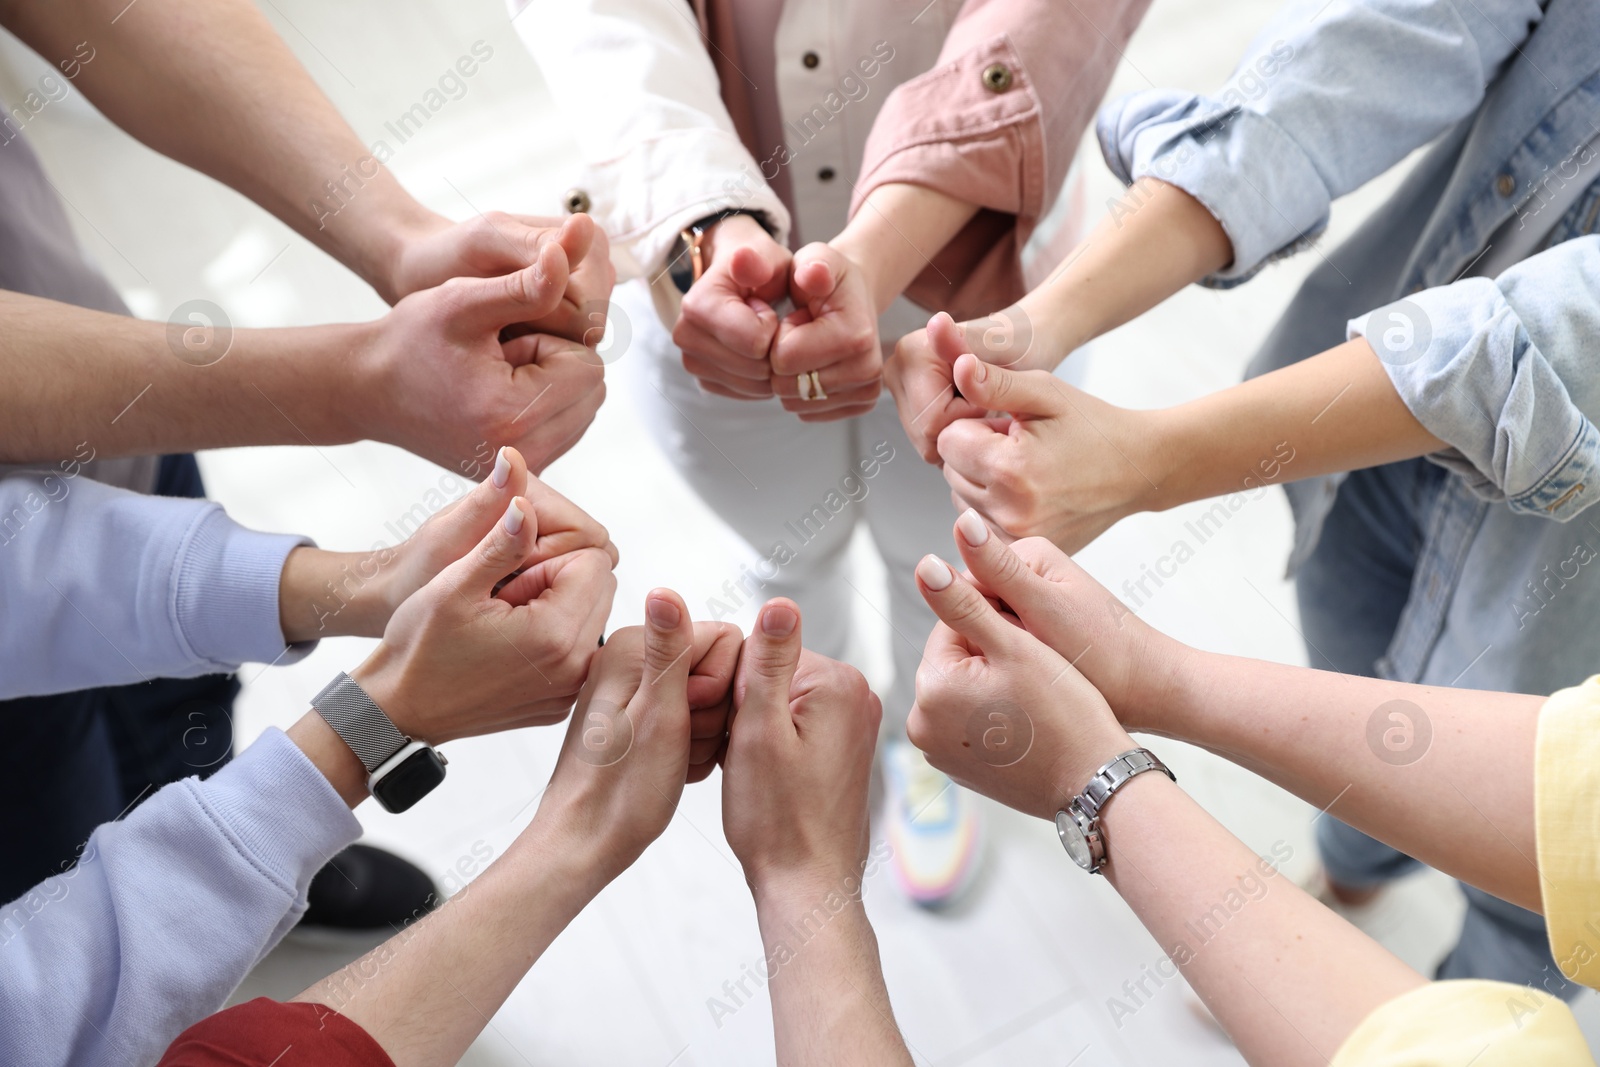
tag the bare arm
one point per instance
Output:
(1443, 774)
(1157, 240)
(1288, 979)
(1067, 465)
(897, 232)
(426, 993)
(431, 376)
(794, 801)
(253, 118)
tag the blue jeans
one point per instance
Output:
(1351, 592)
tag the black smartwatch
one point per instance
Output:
(400, 771)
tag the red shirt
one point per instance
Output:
(265, 1033)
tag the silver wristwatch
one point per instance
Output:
(400, 771)
(1078, 824)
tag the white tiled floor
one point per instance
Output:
(1022, 973)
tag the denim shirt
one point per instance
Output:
(1506, 592)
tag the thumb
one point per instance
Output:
(949, 341)
(504, 549)
(962, 608)
(576, 237)
(668, 638)
(490, 304)
(747, 269)
(813, 278)
(999, 570)
(1026, 392)
(770, 656)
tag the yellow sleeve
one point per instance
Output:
(1567, 820)
(1485, 1024)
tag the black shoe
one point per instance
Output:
(367, 891)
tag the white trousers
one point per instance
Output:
(796, 493)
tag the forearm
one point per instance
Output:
(829, 1002)
(1334, 412)
(252, 117)
(1158, 240)
(129, 387)
(1287, 978)
(897, 233)
(1445, 775)
(426, 993)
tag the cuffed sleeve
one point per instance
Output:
(225, 592)
(1503, 372)
(659, 148)
(1317, 108)
(996, 123)
(166, 910)
(105, 587)
(1567, 823)
(1485, 1024)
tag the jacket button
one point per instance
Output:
(1505, 185)
(996, 77)
(825, 174)
(576, 201)
(811, 59)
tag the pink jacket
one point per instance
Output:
(996, 122)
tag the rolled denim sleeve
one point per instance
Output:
(1320, 105)
(1503, 371)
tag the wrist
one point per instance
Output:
(382, 676)
(1097, 745)
(332, 594)
(1159, 444)
(735, 231)
(330, 755)
(361, 366)
(589, 858)
(784, 894)
(1057, 332)
(856, 246)
(398, 225)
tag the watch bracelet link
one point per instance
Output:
(1113, 775)
(358, 721)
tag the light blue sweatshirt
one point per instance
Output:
(169, 908)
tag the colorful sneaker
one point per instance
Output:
(933, 827)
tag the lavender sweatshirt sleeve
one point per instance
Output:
(102, 586)
(166, 911)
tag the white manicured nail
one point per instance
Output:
(935, 573)
(513, 519)
(973, 529)
(502, 470)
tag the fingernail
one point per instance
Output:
(513, 519)
(778, 620)
(981, 371)
(502, 470)
(935, 573)
(974, 531)
(663, 613)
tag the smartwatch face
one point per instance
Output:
(1073, 840)
(408, 783)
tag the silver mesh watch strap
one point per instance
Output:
(1113, 775)
(354, 716)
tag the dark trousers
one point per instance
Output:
(75, 760)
